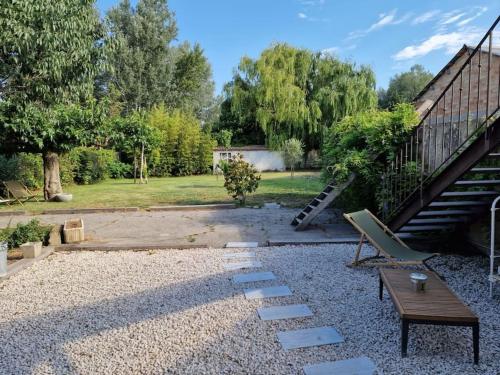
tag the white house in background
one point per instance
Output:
(261, 157)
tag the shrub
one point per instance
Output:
(117, 169)
(184, 149)
(292, 151)
(240, 178)
(23, 167)
(362, 143)
(33, 231)
(87, 165)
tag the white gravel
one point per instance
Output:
(177, 312)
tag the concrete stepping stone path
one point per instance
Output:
(304, 338)
(353, 366)
(242, 265)
(252, 277)
(284, 312)
(243, 254)
(272, 291)
(242, 244)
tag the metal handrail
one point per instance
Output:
(425, 156)
(492, 279)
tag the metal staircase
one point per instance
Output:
(448, 172)
(320, 202)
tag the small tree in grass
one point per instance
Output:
(292, 151)
(241, 178)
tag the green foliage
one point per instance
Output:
(91, 165)
(294, 93)
(224, 137)
(32, 231)
(23, 167)
(293, 153)
(240, 178)
(141, 58)
(362, 143)
(183, 148)
(404, 87)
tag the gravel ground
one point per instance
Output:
(177, 312)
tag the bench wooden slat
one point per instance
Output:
(437, 303)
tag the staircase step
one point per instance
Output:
(444, 220)
(458, 204)
(470, 193)
(424, 228)
(477, 183)
(445, 213)
(485, 170)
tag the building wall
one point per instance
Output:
(263, 160)
(448, 125)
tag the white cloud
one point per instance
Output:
(451, 42)
(479, 12)
(385, 19)
(425, 17)
(302, 15)
(452, 17)
(311, 2)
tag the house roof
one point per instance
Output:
(243, 148)
(465, 49)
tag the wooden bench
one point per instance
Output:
(437, 305)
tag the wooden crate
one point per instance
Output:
(73, 231)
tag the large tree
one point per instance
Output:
(404, 87)
(295, 93)
(50, 55)
(142, 62)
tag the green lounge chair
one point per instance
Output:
(18, 191)
(388, 245)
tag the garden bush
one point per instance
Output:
(87, 165)
(240, 178)
(33, 231)
(363, 143)
(23, 167)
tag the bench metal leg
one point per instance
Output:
(475, 342)
(405, 325)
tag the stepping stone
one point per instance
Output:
(243, 254)
(272, 291)
(284, 312)
(251, 277)
(354, 366)
(242, 265)
(304, 338)
(242, 244)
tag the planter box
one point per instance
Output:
(31, 249)
(73, 231)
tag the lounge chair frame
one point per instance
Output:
(26, 196)
(385, 259)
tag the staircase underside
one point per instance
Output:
(461, 193)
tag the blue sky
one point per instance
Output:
(390, 36)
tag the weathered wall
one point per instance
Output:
(263, 160)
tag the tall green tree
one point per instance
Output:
(143, 61)
(404, 87)
(192, 81)
(50, 54)
(295, 93)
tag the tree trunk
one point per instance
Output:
(135, 166)
(52, 179)
(142, 164)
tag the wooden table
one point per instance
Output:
(436, 305)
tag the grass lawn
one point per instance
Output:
(274, 187)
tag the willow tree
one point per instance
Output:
(49, 57)
(295, 93)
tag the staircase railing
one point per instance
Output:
(463, 111)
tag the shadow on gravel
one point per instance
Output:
(27, 343)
